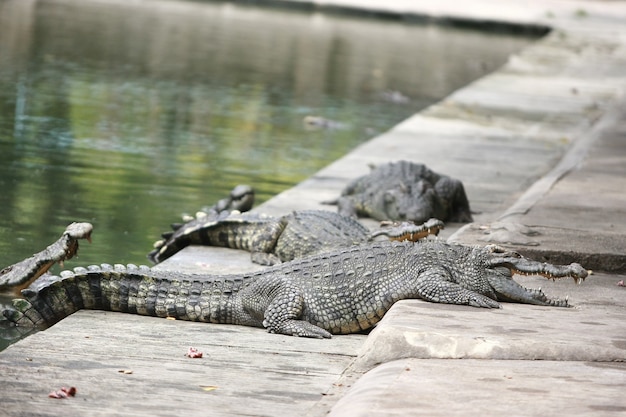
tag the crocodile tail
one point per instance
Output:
(127, 289)
(51, 299)
(234, 230)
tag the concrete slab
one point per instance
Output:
(244, 371)
(592, 330)
(574, 213)
(432, 387)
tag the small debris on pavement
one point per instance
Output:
(63, 393)
(192, 352)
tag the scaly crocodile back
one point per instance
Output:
(310, 232)
(298, 234)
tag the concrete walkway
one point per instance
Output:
(541, 148)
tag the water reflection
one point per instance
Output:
(126, 114)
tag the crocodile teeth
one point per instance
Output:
(158, 244)
(187, 218)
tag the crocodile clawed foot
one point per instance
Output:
(299, 328)
(479, 300)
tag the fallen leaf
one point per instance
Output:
(63, 393)
(125, 371)
(209, 387)
(170, 318)
(192, 352)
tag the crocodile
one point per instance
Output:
(273, 240)
(15, 277)
(347, 290)
(241, 198)
(405, 190)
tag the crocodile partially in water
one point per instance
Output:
(15, 277)
(272, 240)
(344, 291)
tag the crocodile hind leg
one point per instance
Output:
(283, 316)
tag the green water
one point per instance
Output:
(127, 114)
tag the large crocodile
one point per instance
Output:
(344, 291)
(405, 191)
(273, 240)
(15, 277)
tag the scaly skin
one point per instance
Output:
(270, 240)
(408, 231)
(405, 190)
(15, 277)
(344, 291)
(273, 240)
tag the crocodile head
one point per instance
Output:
(241, 198)
(413, 202)
(502, 265)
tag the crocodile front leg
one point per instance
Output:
(435, 285)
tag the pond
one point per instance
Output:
(128, 114)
